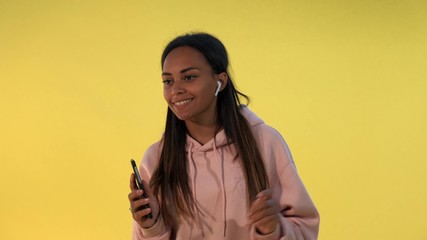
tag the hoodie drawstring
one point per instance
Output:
(220, 161)
(224, 197)
(193, 183)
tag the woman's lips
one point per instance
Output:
(183, 102)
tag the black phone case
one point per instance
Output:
(139, 184)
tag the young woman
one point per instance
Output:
(219, 172)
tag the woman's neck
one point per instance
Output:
(202, 133)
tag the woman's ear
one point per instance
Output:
(223, 78)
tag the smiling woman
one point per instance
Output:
(80, 93)
(219, 171)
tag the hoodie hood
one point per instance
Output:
(220, 138)
(250, 116)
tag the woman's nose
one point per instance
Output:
(177, 88)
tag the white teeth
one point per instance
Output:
(183, 102)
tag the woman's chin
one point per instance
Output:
(181, 116)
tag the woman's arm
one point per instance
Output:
(143, 227)
(155, 228)
(297, 214)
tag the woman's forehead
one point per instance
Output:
(184, 57)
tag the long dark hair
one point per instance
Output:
(170, 181)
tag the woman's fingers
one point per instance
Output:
(141, 214)
(267, 220)
(262, 209)
(135, 192)
(264, 212)
(139, 199)
(263, 201)
(267, 224)
(265, 194)
(137, 204)
(139, 208)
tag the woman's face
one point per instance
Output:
(189, 85)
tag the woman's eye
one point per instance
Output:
(167, 82)
(189, 77)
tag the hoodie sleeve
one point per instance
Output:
(159, 231)
(299, 218)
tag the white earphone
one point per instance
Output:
(218, 88)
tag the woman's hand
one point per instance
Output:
(264, 213)
(137, 201)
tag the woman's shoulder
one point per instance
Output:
(268, 131)
(259, 127)
(152, 156)
(267, 134)
(273, 146)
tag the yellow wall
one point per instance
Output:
(81, 94)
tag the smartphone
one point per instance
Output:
(140, 186)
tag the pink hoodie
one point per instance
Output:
(219, 187)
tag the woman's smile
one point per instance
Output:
(183, 102)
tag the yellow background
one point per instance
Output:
(81, 94)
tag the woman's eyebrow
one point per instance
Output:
(188, 69)
(182, 71)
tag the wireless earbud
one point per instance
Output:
(218, 88)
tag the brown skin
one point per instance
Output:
(264, 213)
(189, 84)
(136, 202)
